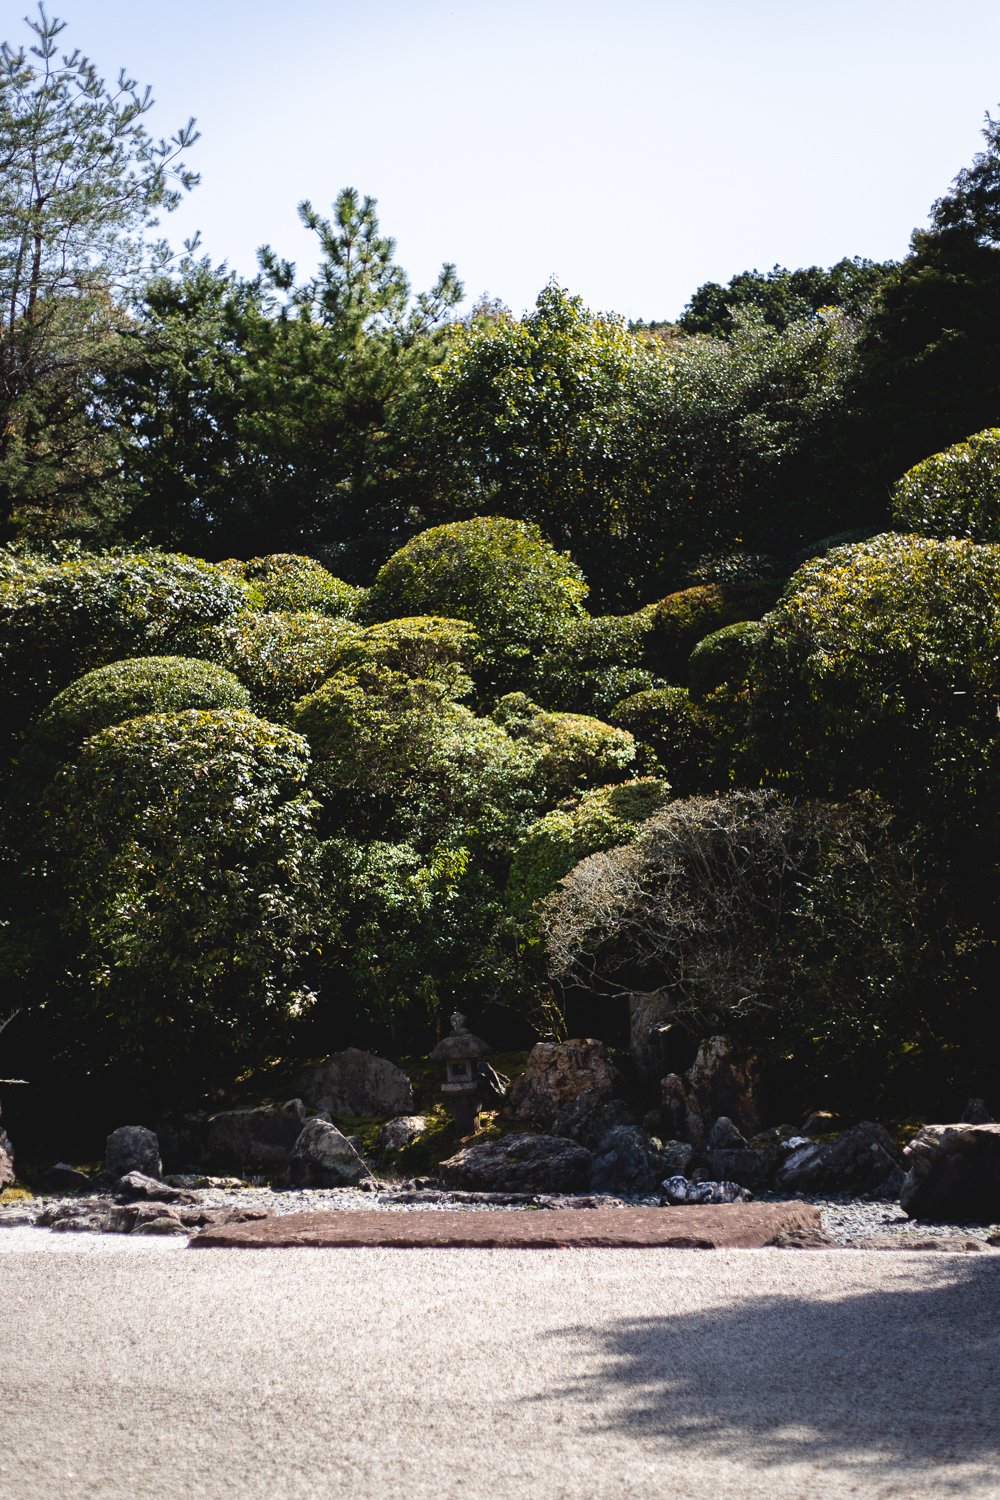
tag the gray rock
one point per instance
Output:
(357, 1083)
(523, 1163)
(677, 1158)
(954, 1173)
(749, 1167)
(557, 1075)
(322, 1157)
(721, 1083)
(162, 1225)
(724, 1136)
(254, 1141)
(402, 1131)
(150, 1189)
(7, 1174)
(626, 1161)
(860, 1161)
(678, 1190)
(132, 1148)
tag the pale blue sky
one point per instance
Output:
(632, 150)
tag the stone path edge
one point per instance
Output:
(723, 1227)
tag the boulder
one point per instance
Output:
(682, 1190)
(677, 1158)
(402, 1131)
(862, 1161)
(253, 1141)
(954, 1174)
(132, 1148)
(322, 1157)
(135, 1186)
(625, 1160)
(724, 1136)
(721, 1083)
(7, 1176)
(747, 1165)
(357, 1083)
(557, 1076)
(522, 1163)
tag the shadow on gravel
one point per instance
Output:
(884, 1385)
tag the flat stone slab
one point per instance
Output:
(744, 1226)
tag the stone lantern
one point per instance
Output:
(460, 1052)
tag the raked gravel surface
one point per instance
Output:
(134, 1369)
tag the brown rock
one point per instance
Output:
(556, 1075)
(251, 1141)
(735, 1226)
(520, 1163)
(954, 1174)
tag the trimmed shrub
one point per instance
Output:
(683, 619)
(880, 668)
(286, 582)
(675, 738)
(499, 575)
(62, 619)
(127, 690)
(723, 659)
(955, 493)
(278, 657)
(604, 817)
(596, 661)
(183, 844)
(574, 750)
(419, 646)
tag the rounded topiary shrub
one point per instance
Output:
(723, 658)
(287, 581)
(595, 661)
(500, 575)
(418, 646)
(278, 656)
(62, 619)
(955, 493)
(127, 690)
(676, 738)
(682, 619)
(575, 750)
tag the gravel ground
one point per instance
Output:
(844, 1220)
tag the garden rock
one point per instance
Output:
(402, 1131)
(7, 1176)
(521, 1163)
(357, 1083)
(721, 1083)
(132, 1148)
(750, 1167)
(683, 1190)
(150, 1189)
(677, 1158)
(556, 1077)
(724, 1136)
(954, 1173)
(626, 1161)
(323, 1157)
(252, 1141)
(861, 1161)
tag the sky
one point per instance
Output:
(631, 150)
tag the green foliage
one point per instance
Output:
(723, 658)
(602, 818)
(596, 661)
(783, 296)
(682, 619)
(954, 493)
(499, 575)
(407, 753)
(182, 844)
(278, 657)
(674, 738)
(285, 582)
(880, 667)
(575, 750)
(547, 417)
(82, 183)
(127, 690)
(59, 620)
(428, 646)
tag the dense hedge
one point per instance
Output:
(675, 738)
(679, 621)
(279, 656)
(955, 493)
(723, 658)
(286, 581)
